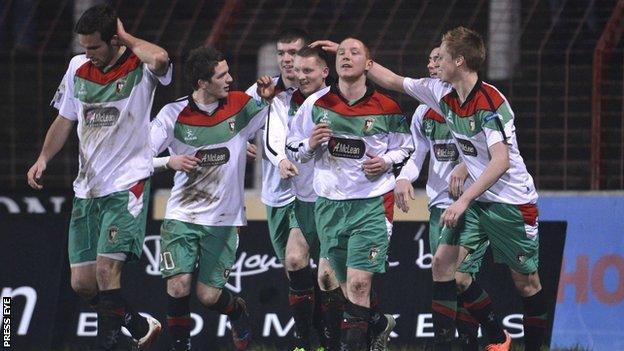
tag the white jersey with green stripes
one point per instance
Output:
(276, 192)
(213, 193)
(484, 119)
(431, 134)
(371, 126)
(112, 109)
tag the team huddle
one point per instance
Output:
(328, 151)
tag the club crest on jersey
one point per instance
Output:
(372, 254)
(232, 125)
(112, 234)
(368, 124)
(120, 85)
(472, 124)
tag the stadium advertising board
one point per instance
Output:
(46, 315)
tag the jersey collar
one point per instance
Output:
(195, 108)
(471, 95)
(370, 90)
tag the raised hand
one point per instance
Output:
(266, 88)
(327, 45)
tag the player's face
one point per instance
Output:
(447, 68)
(219, 85)
(433, 62)
(351, 60)
(311, 74)
(97, 50)
(286, 57)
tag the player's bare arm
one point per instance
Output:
(155, 57)
(403, 191)
(385, 78)
(499, 164)
(55, 139)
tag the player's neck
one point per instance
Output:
(352, 89)
(290, 83)
(464, 85)
(120, 51)
(201, 97)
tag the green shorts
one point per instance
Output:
(304, 211)
(211, 249)
(512, 231)
(355, 233)
(437, 236)
(111, 224)
(281, 220)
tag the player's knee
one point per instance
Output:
(208, 297)
(359, 287)
(104, 274)
(441, 269)
(463, 281)
(326, 280)
(84, 287)
(177, 288)
(296, 260)
(527, 287)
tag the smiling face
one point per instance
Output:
(352, 59)
(286, 57)
(311, 73)
(433, 62)
(99, 52)
(218, 86)
(447, 65)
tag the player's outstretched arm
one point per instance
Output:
(155, 57)
(55, 139)
(499, 164)
(385, 78)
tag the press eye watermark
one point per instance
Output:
(6, 322)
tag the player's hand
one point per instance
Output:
(320, 134)
(252, 152)
(451, 215)
(120, 39)
(35, 173)
(326, 45)
(265, 87)
(403, 191)
(183, 163)
(374, 166)
(287, 169)
(457, 180)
